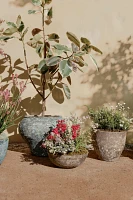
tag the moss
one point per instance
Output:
(80, 152)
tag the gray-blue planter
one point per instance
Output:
(34, 129)
(3, 146)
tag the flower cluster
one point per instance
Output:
(66, 137)
(75, 130)
(9, 102)
(112, 118)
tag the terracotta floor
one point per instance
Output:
(25, 177)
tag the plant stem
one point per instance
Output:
(54, 73)
(52, 89)
(28, 70)
(43, 75)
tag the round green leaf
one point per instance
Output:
(10, 31)
(11, 24)
(41, 64)
(66, 91)
(21, 27)
(18, 22)
(53, 61)
(37, 2)
(73, 38)
(96, 49)
(5, 38)
(79, 53)
(32, 11)
(85, 41)
(64, 68)
(42, 67)
(61, 47)
(48, 1)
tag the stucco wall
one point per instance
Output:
(108, 25)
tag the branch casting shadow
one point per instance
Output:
(115, 79)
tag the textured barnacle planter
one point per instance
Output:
(68, 161)
(109, 144)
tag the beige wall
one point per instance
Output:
(108, 25)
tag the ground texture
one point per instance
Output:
(25, 177)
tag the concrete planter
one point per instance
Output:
(34, 129)
(3, 146)
(67, 161)
(109, 145)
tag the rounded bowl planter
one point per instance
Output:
(4, 140)
(34, 129)
(67, 161)
(109, 145)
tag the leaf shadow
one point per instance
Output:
(20, 3)
(113, 83)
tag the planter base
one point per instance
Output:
(67, 161)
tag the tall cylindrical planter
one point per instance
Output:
(4, 140)
(34, 129)
(109, 145)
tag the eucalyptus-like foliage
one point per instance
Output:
(57, 61)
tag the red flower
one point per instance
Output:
(75, 130)
(50, 137)
(55, 131)
(74, 135)
(61, 126)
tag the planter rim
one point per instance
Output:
(116, 131)
(67, 154)
(37, 116)
(3, 136)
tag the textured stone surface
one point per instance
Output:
(109, 145)
(34, 129)
(67, 161)
(3, 146)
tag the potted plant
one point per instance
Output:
(57, 62)
(9, 103)
(109, 125)
(66, 143)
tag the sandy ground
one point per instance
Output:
(25, 177)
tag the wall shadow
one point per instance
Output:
(115, 78)
(29, 105)
(20, 3)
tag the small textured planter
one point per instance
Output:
(67, 161)
(34, 129)
(4, 140)
(109, 145)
